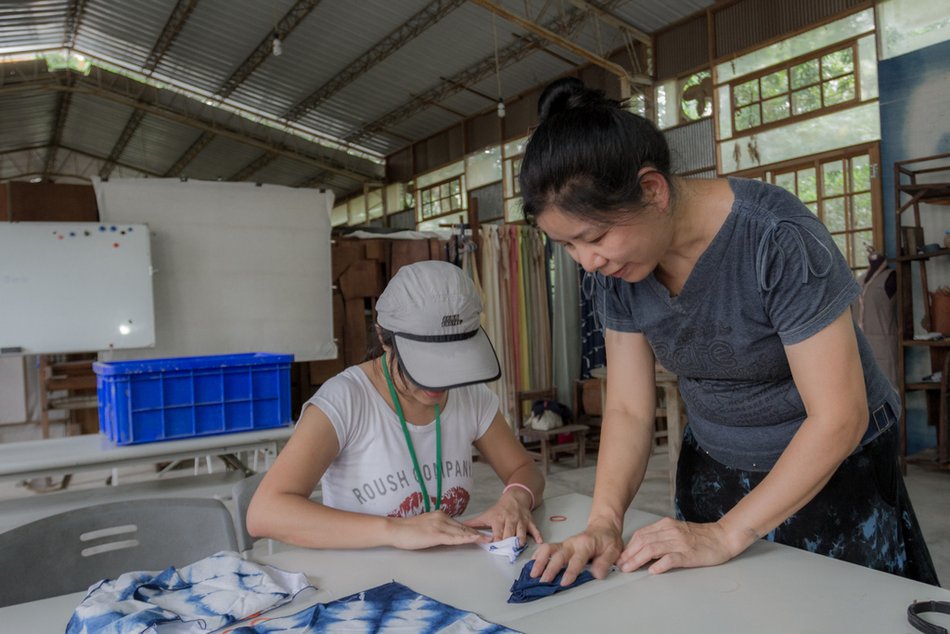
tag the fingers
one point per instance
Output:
(476, 522)
(535, 532)
(601, 565)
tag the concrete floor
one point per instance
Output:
(929, 493)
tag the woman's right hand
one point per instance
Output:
(432, 529)
(601, 544)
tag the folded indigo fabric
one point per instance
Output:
(526, 589)
(391, 607)
(203, 596)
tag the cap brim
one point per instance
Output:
(447, 364)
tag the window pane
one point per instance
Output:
(860, 173)
(832, 175)
(748, 117)
(775, 109)
(841, 240)
(860, 241)
(805, 73)
(838, 90)
(786, 181)
(775, 84)
(426, 196)
(806, 100)
(454, 187)
(837, 63)
(834, 214)
(444, 190)
(746, 93)
(808, 186)
(861, 210)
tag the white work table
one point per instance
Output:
(73, 454)
(769, 588)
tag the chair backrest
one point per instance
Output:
(70, 551)
(241, 494)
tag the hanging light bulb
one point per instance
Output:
(501, 108)
(276, 47)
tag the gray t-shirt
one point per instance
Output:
(772, 276)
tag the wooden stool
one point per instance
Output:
(547, 439)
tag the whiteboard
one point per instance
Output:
(75, 287)
(238, 267)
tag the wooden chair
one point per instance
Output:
(587, 409)
(545, 444)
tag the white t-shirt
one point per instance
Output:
(373, 472)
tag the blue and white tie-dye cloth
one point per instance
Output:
(202, 596)
(391, 607)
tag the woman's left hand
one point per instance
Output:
(676, 544)
(509, 516)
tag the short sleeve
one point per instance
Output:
(804, 280)
(486, 407)
(612, 301)
(339, 398)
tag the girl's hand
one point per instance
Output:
(600, 542)
(431, 529)
(510, 516)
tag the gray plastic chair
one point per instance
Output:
(70, 551)
(241, 494)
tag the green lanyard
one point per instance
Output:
(412, 450)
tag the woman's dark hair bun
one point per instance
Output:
(567, 94)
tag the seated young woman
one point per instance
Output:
(390, 440)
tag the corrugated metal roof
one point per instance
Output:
(385, 71)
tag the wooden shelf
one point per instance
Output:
(922, 385)
(921, 343)
(911, 198)
(921, 256)
(932, 193)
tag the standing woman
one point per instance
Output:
(391, 439)
(736, 287)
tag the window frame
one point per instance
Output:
(849, 44)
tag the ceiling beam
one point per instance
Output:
(564, 25)
(189, 155)
(622, 74)
(173, 26)
(176, 22)
(56, 137)
(283, 28)
(613, 20)
(253, 167)
(411, 28)
(128, 92)
(122, 142)
(75, 11)
(546, 49)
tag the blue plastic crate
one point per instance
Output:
(167, 399)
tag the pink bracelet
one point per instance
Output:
(520, 486)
